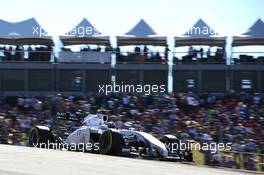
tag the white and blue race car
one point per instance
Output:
(96, 134)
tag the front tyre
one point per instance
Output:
(111, 142)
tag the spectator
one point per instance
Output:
(191, 51)
(208, 53)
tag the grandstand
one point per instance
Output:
(30, 66)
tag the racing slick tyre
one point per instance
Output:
(189, 157)
(40, 138)
(111, 142)
(171, 141)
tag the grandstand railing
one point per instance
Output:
(99, 57)
(26, 56)
(163, 57)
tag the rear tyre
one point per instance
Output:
(40, 138)
(170, 140)
(111, 142)
(189, 157)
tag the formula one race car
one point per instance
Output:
(95, 134)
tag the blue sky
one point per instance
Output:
(116, 17)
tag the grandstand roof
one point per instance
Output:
(141, 34)
(200, 34)
(254, 35)
(141, 29)
(27, 32)
(84, 33)
(76, 31)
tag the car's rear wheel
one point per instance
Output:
(173, 146)
(111, 142)
(40, 138)
(170, 141)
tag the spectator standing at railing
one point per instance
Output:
(48, 53)
(98, 49)
(166, 52)
(7, 53)
(137, 57)
(4, 58)
(29, 50)
(89, 48)
(19, 54)
(156, 57)
(145, 50)
(145, 53)
(118, 54)
(191, 51)
(195, 53)
(137, 50)
(109, 49)
(208, 53)
(219, 54)
(201, 53)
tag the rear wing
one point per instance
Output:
(69, 116)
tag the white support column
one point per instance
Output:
(113, 42)
(228, 50)
(170, 41)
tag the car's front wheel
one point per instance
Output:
(111, 142)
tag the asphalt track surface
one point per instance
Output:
(15, 160)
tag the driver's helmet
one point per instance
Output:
(103, 111)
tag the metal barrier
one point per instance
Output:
(245, 160)
(84, 57)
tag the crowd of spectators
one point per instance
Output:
(246, 59)
(236, 118)
(198, 55)
(194, 55)
(144, 54)
(19, 53)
